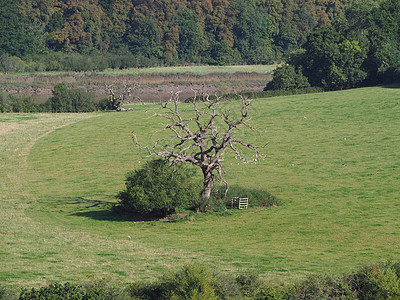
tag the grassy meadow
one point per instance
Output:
(332, 159)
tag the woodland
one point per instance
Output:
(45, 35)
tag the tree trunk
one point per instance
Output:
(207, 186)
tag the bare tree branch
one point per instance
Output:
(199, 140)
(119, 95)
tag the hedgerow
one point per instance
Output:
(196, 281)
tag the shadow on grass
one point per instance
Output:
(102, 211)
(81, 207)
(109, 215)
(105, 215)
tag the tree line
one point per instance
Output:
(361, 47)
(118, 32)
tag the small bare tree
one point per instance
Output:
(203, 138)
(118, 95)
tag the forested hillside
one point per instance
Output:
(361, 47)
(139, 33)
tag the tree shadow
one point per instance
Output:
(103, 211)
(109, 215)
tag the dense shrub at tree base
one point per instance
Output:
(157, 189)
(257, 198)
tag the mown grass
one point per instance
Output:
(332, 160)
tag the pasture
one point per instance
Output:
(332, 159)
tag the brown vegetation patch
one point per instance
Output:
(151, 87)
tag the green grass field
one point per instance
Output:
(332, 159)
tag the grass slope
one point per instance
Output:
(332, 159)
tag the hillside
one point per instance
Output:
(121, 33)
(331, 159)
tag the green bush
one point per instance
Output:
(70, 100)
(324, 287)
(276, 293)
(7, 293)
(250, 284)
(226, 286)
(257, 198)
(287, 78)
(11, 64)
(157, 189)
(376, 281)
(23, 104)
(96, 290)
(54, 291)
(192, 282)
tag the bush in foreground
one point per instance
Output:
(157, 189)
(94, 290)
(195, 281)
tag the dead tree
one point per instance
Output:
(118, 95)
(203, 138)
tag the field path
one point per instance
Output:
(18, 133)
(33, 253)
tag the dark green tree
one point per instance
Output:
(70, 100)
(253, 33)
(332, 61)
(287, 78)
(220, 54)
(384, 55)
(142, 37)
(190, 36)
(13, 38)
(157, 189)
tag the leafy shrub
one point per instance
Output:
(96, 290)
(250, 284)
(157, 189)
(286, 78)
(226, 286)
(7, 294)
(257, 198)
(11, 103)
(323, 287)
(54, 291)
(376, 281)
(70, 100)
(11, 64)
(276, 293)
(192, 282)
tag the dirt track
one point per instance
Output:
(150, 88)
